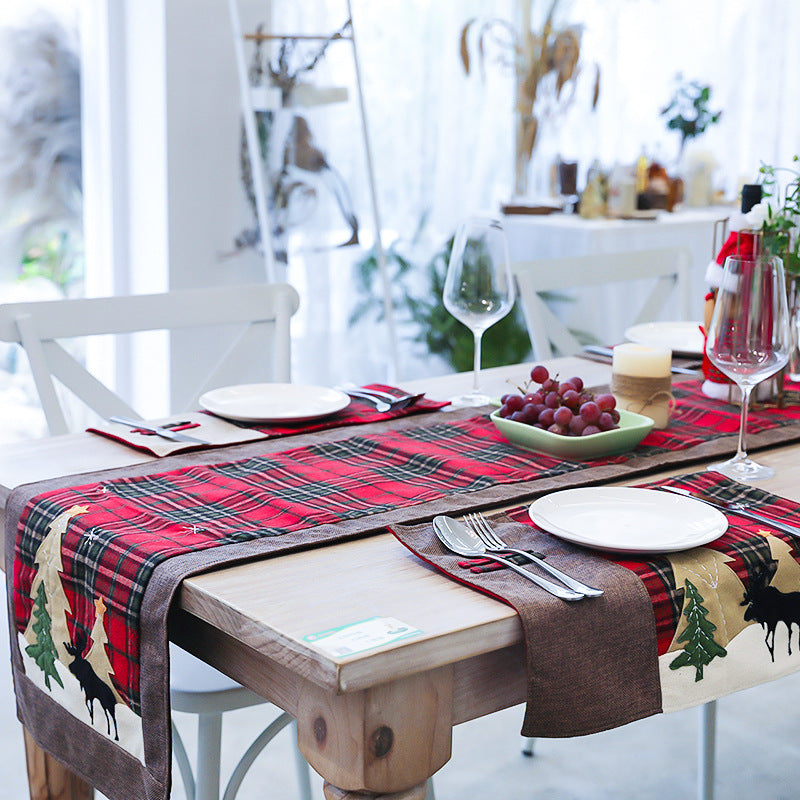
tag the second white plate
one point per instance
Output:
(273, 402)
(680, 337)
(627, 520)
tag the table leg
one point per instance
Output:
(414, 793)
(49, 779)
(384, 741)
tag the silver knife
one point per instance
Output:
(596, 350)
(734, 508)
(166, 433)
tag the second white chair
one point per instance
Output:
(550, 336)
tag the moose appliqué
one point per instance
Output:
(769, 606)
(93, 687)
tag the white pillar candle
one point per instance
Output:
(640, 361)
(640, 380)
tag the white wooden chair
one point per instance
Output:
(550, 336)
(264, 311)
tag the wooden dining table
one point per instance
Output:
(376, 723)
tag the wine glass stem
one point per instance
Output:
(476, 368)
(741, 450)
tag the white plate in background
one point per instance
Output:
(680, 337)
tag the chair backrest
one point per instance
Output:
(264, 311)
(550, 336)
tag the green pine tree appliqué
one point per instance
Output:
(43, 652)
(700, 649)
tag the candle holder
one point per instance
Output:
(641, 381)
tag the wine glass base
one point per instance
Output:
(742, 469)
(471, 400)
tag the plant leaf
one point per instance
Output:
(464, 48)
(596, 90)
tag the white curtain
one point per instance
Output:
(443, 141)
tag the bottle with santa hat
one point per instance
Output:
(742, 242)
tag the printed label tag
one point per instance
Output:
(359, 636)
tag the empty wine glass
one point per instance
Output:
(749, 340)
(478, 289)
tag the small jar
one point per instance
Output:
(641, 381)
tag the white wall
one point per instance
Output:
(206, 201)
(163, 198)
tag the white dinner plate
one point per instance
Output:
(680, 337)
(628, 520)
(273, 402)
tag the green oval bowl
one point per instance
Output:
(632, 429)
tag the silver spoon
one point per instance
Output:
(461, 540)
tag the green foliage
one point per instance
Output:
(506, 342)
(54, 258)
(43, 652)
(688, 111)
(779, 229)
(700, 649)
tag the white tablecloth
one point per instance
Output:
(606, 312)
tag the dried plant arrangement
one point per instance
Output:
(289, 150)
(546, 65)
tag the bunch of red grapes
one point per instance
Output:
(561, 407)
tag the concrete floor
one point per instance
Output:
(654, 759)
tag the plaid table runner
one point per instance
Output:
(92, 569)
(671, 631)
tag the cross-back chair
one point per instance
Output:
(262, 310)
(264, 313)
(550, 336)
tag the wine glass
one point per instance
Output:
(749, 339)
(478, 288)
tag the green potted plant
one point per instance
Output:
(775, 219)
(688, 112)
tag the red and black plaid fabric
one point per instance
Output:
(133, 524)
(696, 419)
(747, 552)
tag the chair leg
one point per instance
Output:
(527, 746)
(209, 743)
(302, 768)
(706, 754)
(252, 752)
(184, 765)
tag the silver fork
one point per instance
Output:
(495, 544)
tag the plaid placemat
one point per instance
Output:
(218, 432)
(110, 554)
(671, 630)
